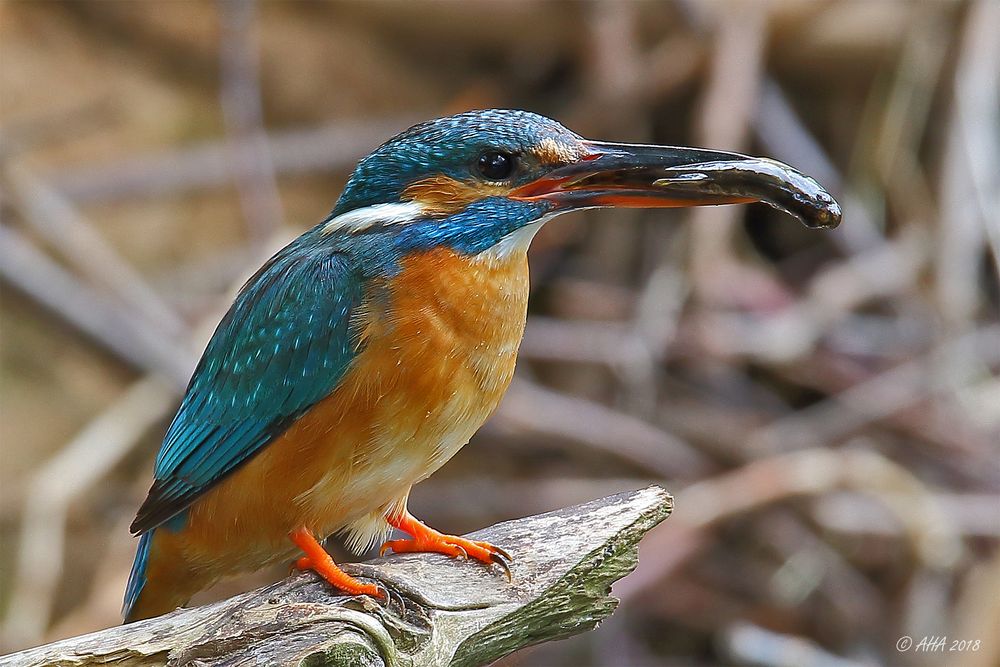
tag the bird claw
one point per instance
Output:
(497, 550)
(500, 557)
(384, 597)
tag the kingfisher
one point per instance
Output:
(364, 354)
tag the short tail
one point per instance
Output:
(159, 582)
(137, 577)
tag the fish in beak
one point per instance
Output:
(645, 176)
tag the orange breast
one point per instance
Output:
(439, 343)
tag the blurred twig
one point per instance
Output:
(49, 213)
(753, 645)
(116, 328)
(810, 472)
(554, 414)
(970, 183)
(207, 166)
(877, 398)
(242, 109)
(54, 488)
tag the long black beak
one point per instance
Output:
(642, 176)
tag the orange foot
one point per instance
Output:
(320, 562)
(426, 539)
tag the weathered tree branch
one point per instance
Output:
(441, 612)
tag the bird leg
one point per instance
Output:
(426, 539)
(319, 561)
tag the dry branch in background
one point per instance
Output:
(441, 611)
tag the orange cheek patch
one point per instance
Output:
(442, 195)
(552, 153)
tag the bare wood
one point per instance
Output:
(441, 612)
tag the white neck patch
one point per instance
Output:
(361, 219)
(517, 241)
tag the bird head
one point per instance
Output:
(474, 180)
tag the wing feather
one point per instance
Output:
(283, 346)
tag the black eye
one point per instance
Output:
(495, 165)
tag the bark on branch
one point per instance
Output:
(442, 612)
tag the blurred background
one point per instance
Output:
(824, 405)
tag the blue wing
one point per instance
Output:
(283, 346)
